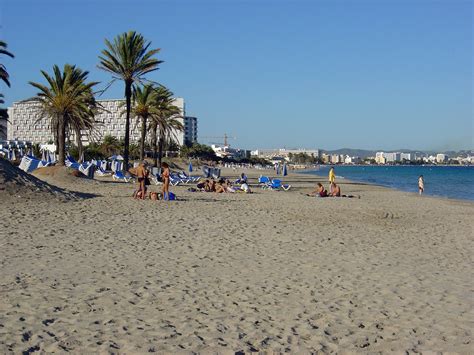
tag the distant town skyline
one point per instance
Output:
(325, 74)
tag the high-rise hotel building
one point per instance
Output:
(26, 124)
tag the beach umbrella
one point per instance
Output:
(43, 155)
(82, 157)
(278, 169)
(285, 172)
(21, 152)
(49, 157)
(190, 168)
(13, 155)
(9, 154)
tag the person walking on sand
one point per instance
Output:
(165, 177)
(421, 184)
(332, 175)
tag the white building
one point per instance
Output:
(441, 158)
(26, 123)
(408, 156)
(380, 158)
(352, 160)
(392, 157)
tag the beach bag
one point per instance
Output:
(171, 197)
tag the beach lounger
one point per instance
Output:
(276, 184)
(185, 176)
(119, 176)
(71, 163)
(155, 179)
(264, 181)
(174, 180)
(101, 172)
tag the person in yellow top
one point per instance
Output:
(332, 175)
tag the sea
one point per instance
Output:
(455, 182)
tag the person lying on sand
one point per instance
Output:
(319, 191)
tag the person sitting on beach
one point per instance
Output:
(212, 186)
(203, 186)
(220, 187)
(335, 190)
(243, 179)
(154, 196)
(319, 191)
(245, 188)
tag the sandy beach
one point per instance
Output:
(269, 271)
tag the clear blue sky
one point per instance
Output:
(315, 74)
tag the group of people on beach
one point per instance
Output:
(143, 179)
(225, 185)
(334, 189)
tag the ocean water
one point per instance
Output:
(444, 181)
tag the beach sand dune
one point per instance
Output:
(269, 271)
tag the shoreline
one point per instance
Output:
(312, 172)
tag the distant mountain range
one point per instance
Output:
(363, 153)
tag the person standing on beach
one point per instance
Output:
(165, 177)
(421, 184)
(141, 176)
(332, 175)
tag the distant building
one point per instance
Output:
(392, 157)
(27, 124)
(283, 152)
(352, 160)
(380, 158)
(407, 156)
(441, 158)
(190, 130)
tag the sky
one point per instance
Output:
(324, 74)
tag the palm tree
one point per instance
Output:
(144, 107)
(65, 102)
(110, 145)
(129, 59)
(3, 71)
(165, 122)
(5, 78)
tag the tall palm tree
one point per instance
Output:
(128, 58)
(5, 78)
(165, 124)
(3, 71)
(65, 100)
(144, 107)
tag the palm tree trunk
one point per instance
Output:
(79, 144)
(128, 95)
(160, 148)
(142, 141)
(155, 147)
(61, 140)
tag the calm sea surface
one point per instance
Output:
(445, 181)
